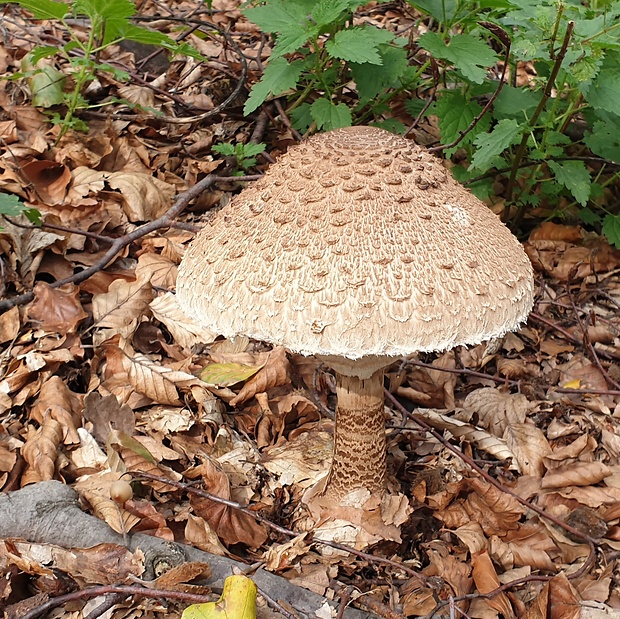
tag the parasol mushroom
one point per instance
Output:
(357, 247)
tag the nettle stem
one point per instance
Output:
(359, 442)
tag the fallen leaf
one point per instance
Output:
(486, 580)
(56, 310)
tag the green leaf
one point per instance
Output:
(512, 102)
(611, 229)
(455, 114)
(227, 374)
(301, 117)
(38, 53)
(45, 9)
(329, 116)
(588, 216)
(224, 149)
(278, 77)
(327, 11)
(281, 15)
(370, 82)
(575, 177)
(604, 140)
(359, 44)
(489, 145)
(46, 85)
(469, 55)
(251, 149)
(442, 10)
(106, 9)
(604, 91)
(11, 205)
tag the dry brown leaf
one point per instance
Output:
(497, 410)
(50, 179)
(56, 310)
(578, 474)
(538, 608)
(582, 448)
(9, 325)
(231, 526)
(431, 388)
(199, 534)
(145, 197)
(480, 438)
(495, 511)
(529, 446)
(147, 377)
(41, 450)
(119, 310)
(185, 331)
(532, 545)
(156, 269)
(55, 400)
(486, 580)
(95, 489)
(274, 373)
(563, 599)
(549, 231)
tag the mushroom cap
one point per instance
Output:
(357, 243)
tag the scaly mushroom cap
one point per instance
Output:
(357, 243)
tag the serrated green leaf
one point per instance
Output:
(11, 205)
(611, 229)
(588, 216)
(604, 91)
(301, 117)
(575, 177)
(469, 55)
(359, 44)
(442, 10)
(604, 140)
(512, 102)
(455, 114)
(327, 11)
(490, 145)
(281, 15)
(106, 9)
(44, 9)
(224, 149)
(38, 53)
(227, 374)
(329, 116)
(278, 77)
(370, 82)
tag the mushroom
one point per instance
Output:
(357, 247)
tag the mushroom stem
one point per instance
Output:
(359, 444)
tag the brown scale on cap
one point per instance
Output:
(357, 246)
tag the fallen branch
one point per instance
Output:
(49, 513)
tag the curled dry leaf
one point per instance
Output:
(480, 438)
(119, 309)
(497, 410)
(40, 451)
(486, 580)
(145, 197)
(185, 331)
(198, 533)
(563, 599)
(147, 377)
(10, 324)
(577, 474)
(497, 512)
(160, 271)
(95, 489)
(529, 446)
(231, 526)
(274, 373)
(56, 310)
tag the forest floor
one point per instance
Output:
(514, 483)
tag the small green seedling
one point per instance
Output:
(244, 155)
(11, 206)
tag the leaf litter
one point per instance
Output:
(106, 379)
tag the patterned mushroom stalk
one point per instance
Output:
(358, 247)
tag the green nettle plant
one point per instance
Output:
(109, 23)
(325, 55)
(541, 136)
(243, 154)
